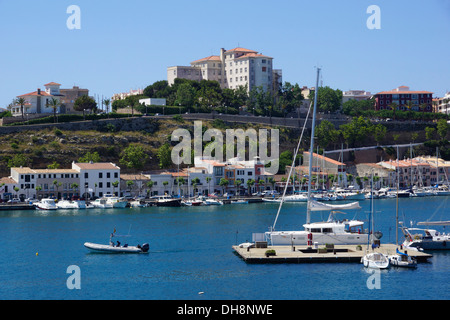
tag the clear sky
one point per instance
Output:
(125, 45)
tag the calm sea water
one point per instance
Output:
(190, 252)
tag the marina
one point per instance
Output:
(190, 251)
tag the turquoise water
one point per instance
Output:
(190, 252)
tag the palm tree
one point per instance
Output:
(115, 184)
(393, 106)
(22, 102)
(130, 184)
(54, 104)
(38, 188)
(149, 186)
(208, 179)
(250, 183)
(107, 102)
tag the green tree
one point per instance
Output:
(115, 184)
(328, 100)
(357, 131)
(88, 157)
(379, 132)
(107, 102)
(164, 156)
(326, 133)
(22, 102)
(85, 103)
(250, 183)
(54, 104)
(54, 165)
(185, 95)
(429, 133)
(224, 184)
(134, 156)
(18, 160)
(442, 128)
(149, 185)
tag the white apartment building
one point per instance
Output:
(97, 179)
(442, 104)
(357, 95)
(232, 68)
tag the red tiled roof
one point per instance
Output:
(52, 84)
(96, 165)
(254, 55)
(241, 50)
(210, 58)
(325, 158)
(403, 92)
(35, 93)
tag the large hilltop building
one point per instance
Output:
(232, 68)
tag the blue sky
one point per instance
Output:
(129, 44)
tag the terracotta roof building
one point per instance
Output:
(404, 99)
(232, 68)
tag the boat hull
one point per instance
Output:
(103, 248)
(169, 203)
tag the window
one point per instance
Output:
(108, 175)
(100, 175)
(86, 175)
(116, 174)
(263, 61)
(264, 69)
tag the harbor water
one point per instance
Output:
(191, 257)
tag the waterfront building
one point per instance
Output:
(44, 183)
(134, 185)
(163, 182)
(98, 179)
(442, 105)
(7, 185)
(404, 99)
(232, 68)
(409, 172)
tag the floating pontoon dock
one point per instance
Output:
(301, 254)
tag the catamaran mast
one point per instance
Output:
(311, 149)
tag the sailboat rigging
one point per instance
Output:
(332, 231)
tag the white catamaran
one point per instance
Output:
(332, 231)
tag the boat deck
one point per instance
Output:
(300, 254)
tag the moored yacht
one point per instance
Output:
(333, 231)
(71, 204)
(46, 204)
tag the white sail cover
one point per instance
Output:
(434, 223)
(319, 206)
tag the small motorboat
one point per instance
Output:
(46, 204)
(402, 259)
(111, 248)
(116, 247)
(375, 260)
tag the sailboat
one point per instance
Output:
(372, 259)
(431, 239)
(332, 231)
(400, 259)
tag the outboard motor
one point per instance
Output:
(145, 247)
